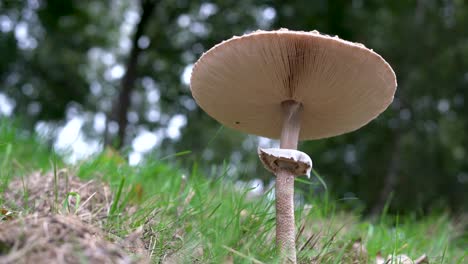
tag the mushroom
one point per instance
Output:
(293, 86)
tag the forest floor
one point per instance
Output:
(102, 210)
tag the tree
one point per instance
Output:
(128, 81)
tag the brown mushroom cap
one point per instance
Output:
(342, 85)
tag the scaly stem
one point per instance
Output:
(285, 225)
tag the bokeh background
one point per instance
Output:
(89, 74)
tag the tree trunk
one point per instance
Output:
(391, 178)
(121, 106)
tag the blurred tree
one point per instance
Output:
(122, 105)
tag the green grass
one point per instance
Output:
(191, 217)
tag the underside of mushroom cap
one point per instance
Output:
(342, 85)
(295, 161)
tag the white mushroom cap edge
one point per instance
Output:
(301, 163)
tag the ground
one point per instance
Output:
(37, 228)
(102, 209)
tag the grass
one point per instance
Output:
(186, 216)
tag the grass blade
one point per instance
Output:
(115, 202)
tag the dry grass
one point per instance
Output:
(64, 223)
(45, 194)
(57, 239)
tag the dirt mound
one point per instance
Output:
(49, 218)
(57, 239)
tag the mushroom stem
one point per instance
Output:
(285, 225)
(291, 124)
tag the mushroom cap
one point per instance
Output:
(342, 85)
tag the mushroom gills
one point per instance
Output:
(295, 161)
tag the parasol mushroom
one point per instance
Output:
(292, 86)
